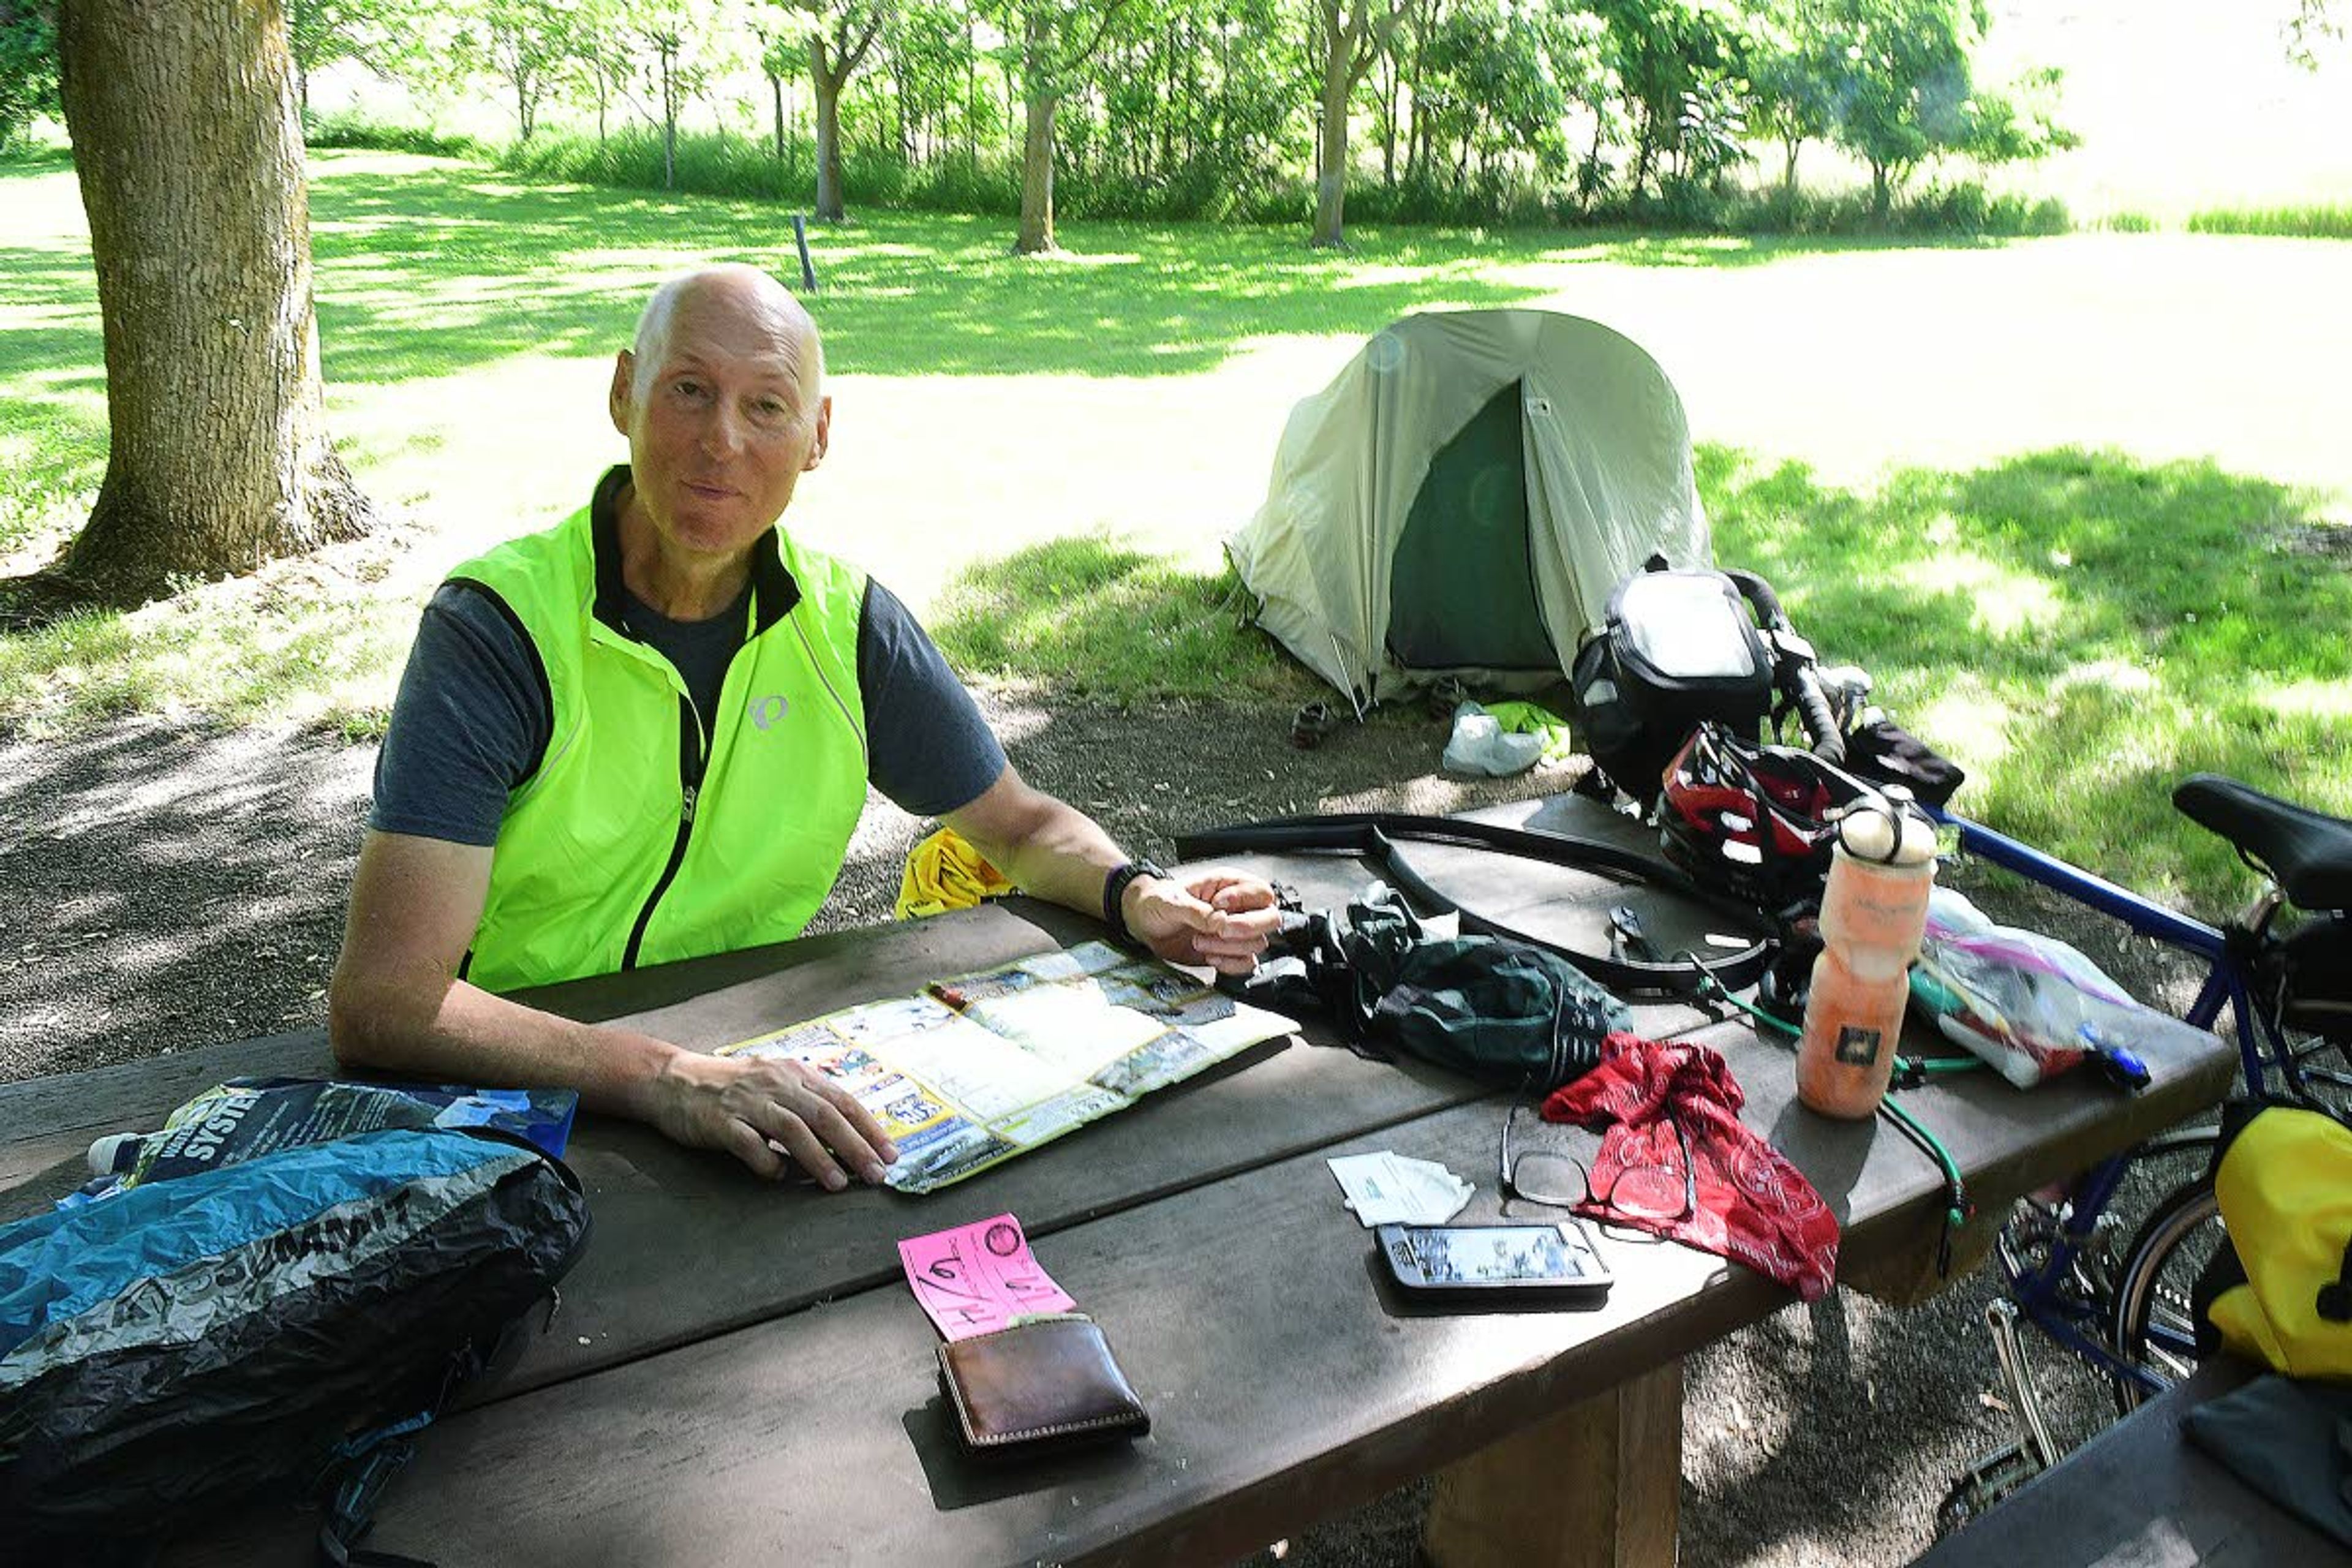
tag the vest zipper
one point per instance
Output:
(691, 761)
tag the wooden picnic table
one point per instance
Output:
(739, 1375)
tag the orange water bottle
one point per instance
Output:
(1874, 913)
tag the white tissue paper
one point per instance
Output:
(1388, 1189)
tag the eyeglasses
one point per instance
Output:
(1558, 1180)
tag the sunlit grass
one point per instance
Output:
(2307, 222)
(2081, 630)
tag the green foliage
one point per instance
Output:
(631, 159)
(2302, 222)
(28, 67)
(391, 39)
(353, 130)
(1894, 83)
(1481, 110)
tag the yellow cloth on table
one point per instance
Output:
(945, 872)
(1529, 718)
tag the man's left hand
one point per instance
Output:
(1220, 919)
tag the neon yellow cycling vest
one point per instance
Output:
(637, 839)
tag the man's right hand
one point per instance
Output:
(750, 1108)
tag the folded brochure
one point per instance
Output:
(973, 1070)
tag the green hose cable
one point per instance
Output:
(1956, 1207)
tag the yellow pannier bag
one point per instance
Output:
(2280, 1292)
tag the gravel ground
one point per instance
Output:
(163, 887)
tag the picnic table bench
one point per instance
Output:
(2141, 1495)
(738, 1374)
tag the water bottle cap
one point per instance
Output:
(114, 1153)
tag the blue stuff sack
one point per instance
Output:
(261, 1328)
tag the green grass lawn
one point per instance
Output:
(2079, 503)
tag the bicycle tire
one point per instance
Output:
(2152, 1288)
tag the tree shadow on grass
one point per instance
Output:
(2081, 630)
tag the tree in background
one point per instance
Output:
(389, 39)
(2313, 24)
(1792, 96)
(188, 143)
(529, 44)
(1904, 91)
(604, 56)
(1345, 36)
(1055, 41)
(28, 66)
(1679, 64)
(841, 36)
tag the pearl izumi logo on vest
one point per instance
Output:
(767, 713)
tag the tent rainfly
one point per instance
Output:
(1464, 497)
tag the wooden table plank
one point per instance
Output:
(1287, 1381)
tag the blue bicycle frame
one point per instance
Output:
(2040, 1292)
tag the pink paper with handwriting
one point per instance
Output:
(977, 1277)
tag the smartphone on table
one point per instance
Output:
(1497, 1262)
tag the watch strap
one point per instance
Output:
(1114, 887)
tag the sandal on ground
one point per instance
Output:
(1310, 724)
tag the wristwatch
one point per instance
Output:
(1114, 887)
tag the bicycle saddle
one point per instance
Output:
(2309, 852)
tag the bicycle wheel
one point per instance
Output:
(2153, 1326)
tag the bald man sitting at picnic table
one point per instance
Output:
(647, 734)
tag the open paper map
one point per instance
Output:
(978, 1069)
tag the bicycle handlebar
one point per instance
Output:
(1793, 668)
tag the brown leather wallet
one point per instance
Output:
(1049, 1383)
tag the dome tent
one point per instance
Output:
(1462, 499)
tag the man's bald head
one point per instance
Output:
(748, 299)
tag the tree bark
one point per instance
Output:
(1036, 233)
(187, 139)
(1331, 132)
(666, 45)
(828, 83)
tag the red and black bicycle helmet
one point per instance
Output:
(1757, 822)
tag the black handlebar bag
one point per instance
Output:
(1678, 647)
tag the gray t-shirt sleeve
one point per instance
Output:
(470, 723)
(927, 746)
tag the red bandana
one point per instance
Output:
(1751, 1206)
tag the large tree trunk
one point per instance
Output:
(1331, 135)
(828, 84)
(1037, 176)
(188, 143)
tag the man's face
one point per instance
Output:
(723, 424)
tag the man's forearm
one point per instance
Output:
(1057, 852)
(447, 1030)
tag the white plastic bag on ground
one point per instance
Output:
(1480, 744)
